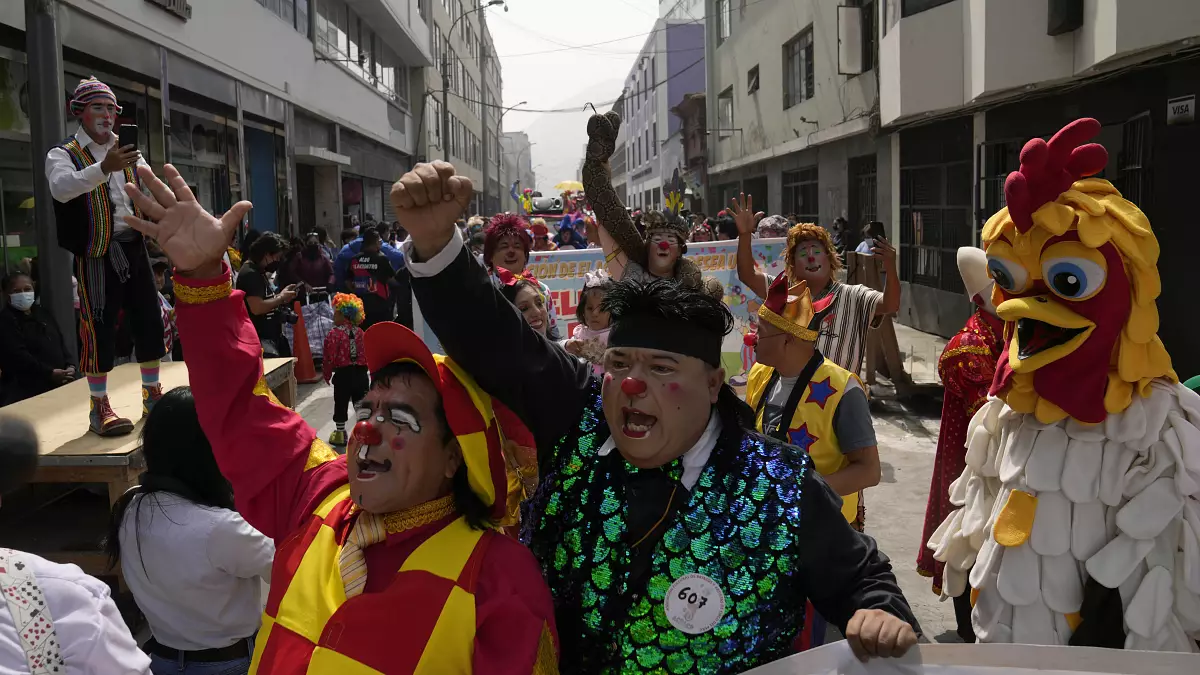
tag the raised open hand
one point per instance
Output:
(428, 200)
(190, 236)
(743, 214)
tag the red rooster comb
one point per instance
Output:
(1049, 169)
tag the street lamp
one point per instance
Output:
(446, 78)
(500, 155)
(522, 152)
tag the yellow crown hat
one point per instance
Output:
(791, 308)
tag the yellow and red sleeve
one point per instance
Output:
(278, 468)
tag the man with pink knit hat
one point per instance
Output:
(87, 173)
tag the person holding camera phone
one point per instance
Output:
(87, 173)
(267, 308)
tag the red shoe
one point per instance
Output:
(150, 395)
(104, 422)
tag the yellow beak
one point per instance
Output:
(1045, 330)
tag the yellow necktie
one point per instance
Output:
(368, 529)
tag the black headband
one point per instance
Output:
(669, 335)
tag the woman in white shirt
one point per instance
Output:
(54, 618)
(194, 566)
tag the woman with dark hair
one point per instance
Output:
(193, 564)
(506, 244)
(525, 294)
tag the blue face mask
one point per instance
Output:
(21, 301)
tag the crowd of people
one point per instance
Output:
(605, 501)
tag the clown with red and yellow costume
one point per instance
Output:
(389, 560)
(1077, 519)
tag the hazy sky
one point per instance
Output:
(546, 80)
(542, 25)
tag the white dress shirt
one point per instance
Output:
(194, 571)
(92, 636)
(439, 262)
(66, 183)
(694, 459)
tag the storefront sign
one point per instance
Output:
(179, 8)
(1181, 110)
(563, 272)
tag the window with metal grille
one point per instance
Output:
(798, 68)
(800, 194)
(994, 160)
(1133, 170)
(752, 80)
(935, 220)
(863, 193)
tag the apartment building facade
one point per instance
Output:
(790, 117)
(462, 45)
(669, 66)
(304, 107)
(958, 101)
(913, 112)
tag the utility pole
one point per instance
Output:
(483, 106)
(46, 128)
(446, 98)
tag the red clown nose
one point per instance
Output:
(367, 433)
(664, 245)
(633, 386)
(750, 339)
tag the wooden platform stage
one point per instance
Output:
(69, 453)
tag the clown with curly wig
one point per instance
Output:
(345, 361)
(812, 258)
(507, 241)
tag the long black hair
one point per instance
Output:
(468, 504)
(179, 460)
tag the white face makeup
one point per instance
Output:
(397, 457)
(811, 263)
(98, 119)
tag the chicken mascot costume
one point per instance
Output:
(1077, 518)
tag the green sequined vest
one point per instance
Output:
(740, 527)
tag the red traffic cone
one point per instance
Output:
(306, 373)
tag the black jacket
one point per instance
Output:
(549, 390)
(31, 347)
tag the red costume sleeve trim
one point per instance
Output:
(265, 449)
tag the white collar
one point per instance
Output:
(85, 140)
(694, 460)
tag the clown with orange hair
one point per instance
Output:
(812, 257)
(345, 361)
(1078, 512)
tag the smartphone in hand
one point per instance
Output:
(127, 135)
(877, 232)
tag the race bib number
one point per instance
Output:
(694, 604)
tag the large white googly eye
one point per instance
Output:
(1008, 274)
(1073, 278)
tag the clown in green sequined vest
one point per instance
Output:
(740, 529)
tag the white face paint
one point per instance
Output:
(403, 418)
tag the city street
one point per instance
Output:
(895, 508)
